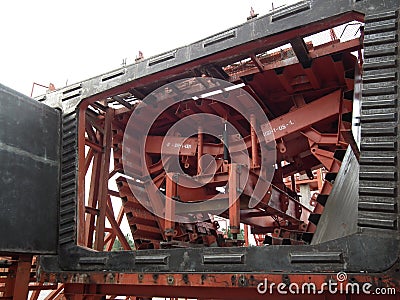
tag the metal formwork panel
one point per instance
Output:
(29, 174)
(340, 213)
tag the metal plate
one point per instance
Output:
(340, 214)
(29, 174)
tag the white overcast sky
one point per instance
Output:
(47, 41)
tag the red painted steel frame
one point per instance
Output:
(317, 151)
(217, 286)
(97, 135)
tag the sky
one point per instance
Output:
(64, 42)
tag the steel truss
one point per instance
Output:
(312, 88)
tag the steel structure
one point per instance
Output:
(114, 127)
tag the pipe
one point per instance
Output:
(199, 148)
(254, 147)
(226, 142)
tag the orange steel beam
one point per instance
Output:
(90, 131)
(115, 226)
(81, 232)
(89, 158)
(108, 288)
(234, 202)
(199, 148)
(54, 294)
(18, 277)
(251, 141)
(317, 138)
(315, 83)
(38, 288)
(303, 117)
(93, 145)
(325, 50)
(216, 149)
(171, 189)
(257, 62)
(248, 178)
(110, 237)
(223, 286)
(265, 44)
(223, 112)
(298, 119)
(284, 82)
(263, 105)
(254, 143)
(324, 156)
(93, 197)
(103, 182)
(35, 294)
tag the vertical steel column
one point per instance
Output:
(199, 148)
(234, 202)
(171, 189)
(17, 281)
(254, 145)
(103, 183)
(81, 176)
(225, 137)
(92, 201)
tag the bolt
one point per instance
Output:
(185, 278)
(203, 278)
(233, 279)
(110, 277)
(242, 281)
(170, 280)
